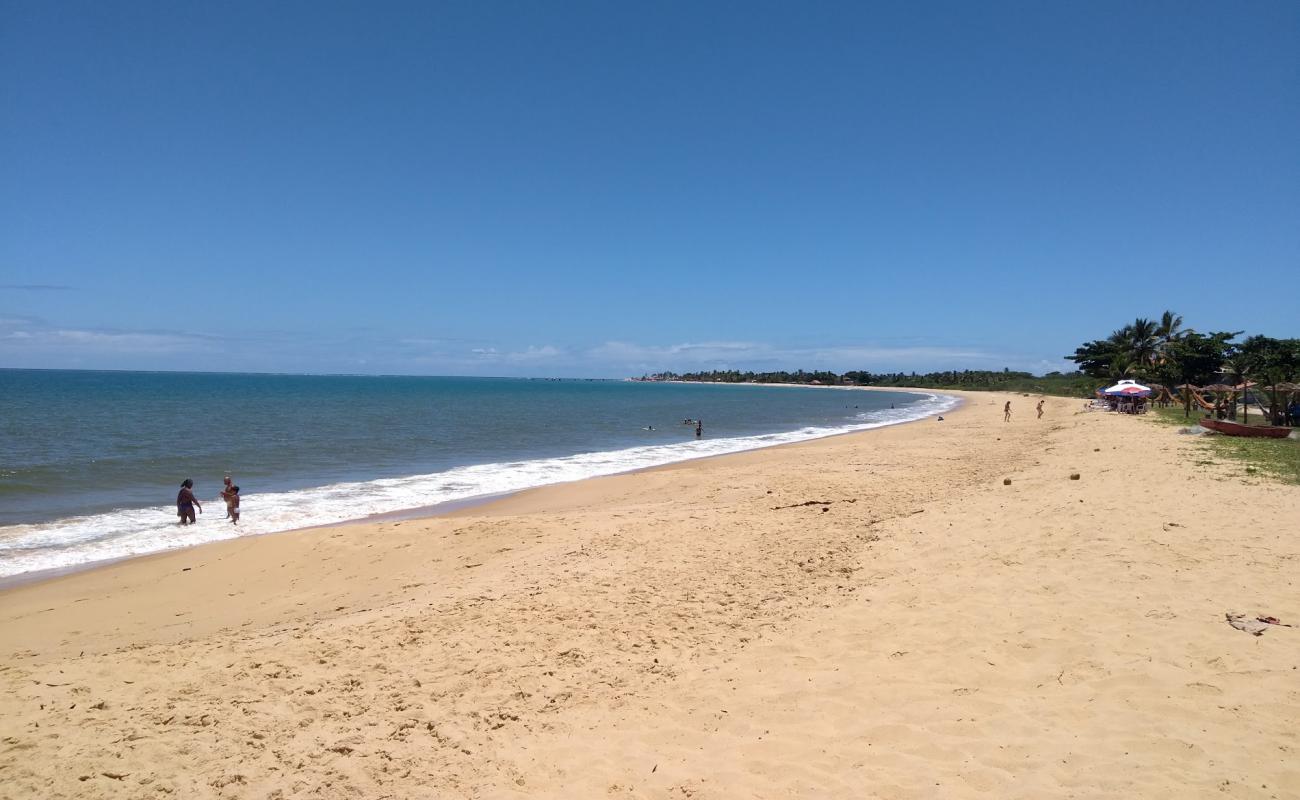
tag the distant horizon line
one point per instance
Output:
(302, 374)
(482, 377)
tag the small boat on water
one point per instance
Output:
(1237, 429)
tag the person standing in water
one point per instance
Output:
(186, 501)
(232, 505)
(1040, 408)
(1006, 412)
(227, 494)
(699, 428)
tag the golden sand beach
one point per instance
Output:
(870, 615)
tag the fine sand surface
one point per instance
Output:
(701, 631)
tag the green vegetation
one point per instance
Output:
(1174, 415)
(1279, 458)
(1162, 352)
(1072, 384)
(1165, 352)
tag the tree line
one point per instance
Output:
(1161, 351)
(1165, 352)
(974, 379)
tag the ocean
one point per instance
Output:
(90, 462)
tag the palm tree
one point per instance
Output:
(1143, 341)
(1135, 345)
(1170, 327)
(1122, 366)
(1168, 332)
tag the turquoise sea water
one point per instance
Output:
(90, 462)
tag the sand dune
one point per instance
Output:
(873, 615)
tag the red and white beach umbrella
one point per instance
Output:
(1127, 389)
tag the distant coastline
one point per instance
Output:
(1072, 384)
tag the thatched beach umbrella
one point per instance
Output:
(1244, 388)
(1186, 390)
(1221, 390)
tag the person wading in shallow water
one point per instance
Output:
(1006, 412)
(232, 505)
(227, 494)
(186, 501)
(699, 428)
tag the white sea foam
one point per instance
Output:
(130, 532)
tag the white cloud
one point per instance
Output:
(29, 337)
(533, 354)
(620, 357)
(31, 342)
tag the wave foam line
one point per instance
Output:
(130, 532)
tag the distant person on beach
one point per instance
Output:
(1040, 408)
(226, 495)
(1006, 412)
(232, 505)
(699, 428)
(186, 501)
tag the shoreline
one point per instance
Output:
(941, 605)
(17, 580)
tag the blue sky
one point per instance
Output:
(601, 189)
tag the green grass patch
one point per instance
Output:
(1278, 458)
(1174, 416)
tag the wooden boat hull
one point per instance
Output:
(1237, 429)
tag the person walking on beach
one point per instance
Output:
(186, 501)
(1006, 412)
(1040, 408)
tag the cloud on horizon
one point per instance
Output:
(760, 356)
(28, 342)
(19, 335)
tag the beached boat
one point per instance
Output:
(1237, 429)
